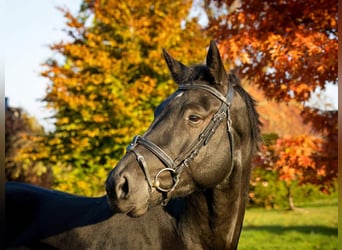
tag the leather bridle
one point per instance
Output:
(176, 166)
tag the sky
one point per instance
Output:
(30, 26)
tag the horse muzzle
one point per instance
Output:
(127, 190)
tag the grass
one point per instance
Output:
(310, 227)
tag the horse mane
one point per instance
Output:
(252, 113)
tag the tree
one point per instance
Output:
(288, 49)
(292, 157)
(326, 123)
(289, 156)
(21, 131)
(279, 117)
(110, 80)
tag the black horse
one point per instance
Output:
(185, 181)
(39, 218)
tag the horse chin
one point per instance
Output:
(155, 199)
(130, 210)
(137, 212)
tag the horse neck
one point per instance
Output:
(217, 214)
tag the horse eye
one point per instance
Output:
(194, 118)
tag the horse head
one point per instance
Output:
(190, 144)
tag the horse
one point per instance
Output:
(198, 149)
(34, 213)
(40, 218)
(181, 185)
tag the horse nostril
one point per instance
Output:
(122, 188)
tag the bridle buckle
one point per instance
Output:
(133, 144)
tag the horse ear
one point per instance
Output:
(176, 68)
(215, 65)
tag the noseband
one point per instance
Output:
(176, 166)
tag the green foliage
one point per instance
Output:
(270, 139)
(267, 191)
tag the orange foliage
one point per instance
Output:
(288, 49)
(299, 158)
(285, 46)
(294, 156)
(279, 117)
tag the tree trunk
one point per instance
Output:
(290, 198)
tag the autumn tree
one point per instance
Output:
(288, 49)
(111, 78)
(292, 158)
(288, 156)
(21, 131)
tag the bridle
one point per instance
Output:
(176, 166)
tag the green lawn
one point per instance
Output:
(314, 226)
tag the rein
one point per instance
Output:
(176, 166)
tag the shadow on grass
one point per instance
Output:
(301, 229)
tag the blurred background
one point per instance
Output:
(84, 76)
